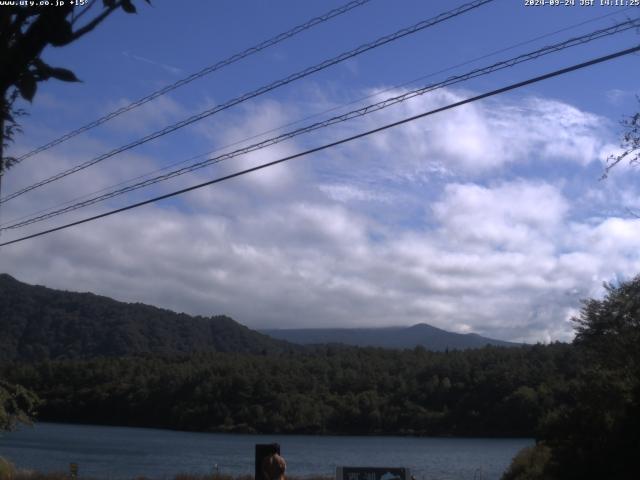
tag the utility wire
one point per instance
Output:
(194, 76)
(262, 90)
(572, 42)
(476, 98)
(309, 117)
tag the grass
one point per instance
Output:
(9, 472)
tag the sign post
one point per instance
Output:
(372, 473)
(263, 450)
(73, 470)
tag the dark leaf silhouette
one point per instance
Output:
(128, 7)
(27, 86)
(64, 75)
(60, 33)
(33, 28)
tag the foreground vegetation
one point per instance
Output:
(581, 401)
(9, 472)
(17, 405)
(593, 433)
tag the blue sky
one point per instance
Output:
(489, 218)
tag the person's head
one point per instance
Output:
(273, 467)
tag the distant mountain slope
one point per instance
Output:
(41, 323)
(429, 337)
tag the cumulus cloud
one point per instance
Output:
(483, 138)
(513, 215)
(426, 223)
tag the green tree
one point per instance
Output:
(529, 464)
(597, 435)
(594, 432)
(630, 143)
(25, 31)
(17, 405)
(608, 330)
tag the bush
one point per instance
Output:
(34, 475)
(530, 463)
(7, 470)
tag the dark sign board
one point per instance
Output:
(264, 450)
(372, 473)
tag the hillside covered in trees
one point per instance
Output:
(488, 392)
(93, 359)
(40, 323)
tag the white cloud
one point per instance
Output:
(146, 118)
(169, 68)
(615, 96)
(513, 215)
(398, 229)
(484, 137)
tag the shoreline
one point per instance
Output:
(237, 432)
(125, 453)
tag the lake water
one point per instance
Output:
(123, 453)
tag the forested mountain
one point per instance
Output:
(424, 335)
(39, 323)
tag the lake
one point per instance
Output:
(123, 453)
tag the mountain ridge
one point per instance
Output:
(420, 334)
(40, 323)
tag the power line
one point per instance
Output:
(506, 49)
(56, 208)
(337, 142)
(572, 42)
(260, 91)
(194, 76)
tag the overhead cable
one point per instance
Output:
(260, 91)
(388, 102)
(476, 98)
(309, 117)
(194, 76)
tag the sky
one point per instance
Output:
(489, 218)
